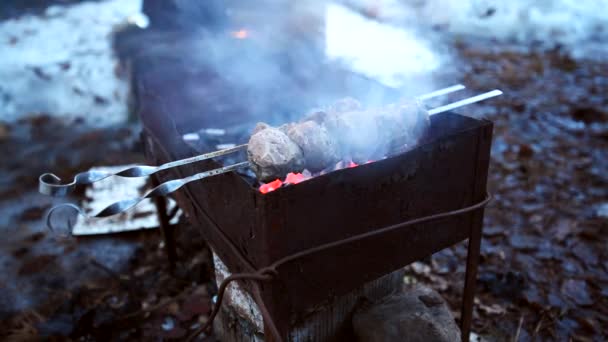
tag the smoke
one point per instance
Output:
(386, 53)
(296, 56)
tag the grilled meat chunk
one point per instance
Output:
(318, 146)
(273, 154)
(345, 131)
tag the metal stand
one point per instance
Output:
(165, 228)
(474, 247)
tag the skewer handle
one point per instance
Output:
(163, 189)
(50, 184)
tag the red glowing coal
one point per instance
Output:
(268, 187)
(292, 178)
(295, 178)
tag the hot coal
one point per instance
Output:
(344, 131)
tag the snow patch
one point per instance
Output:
(61, 63)
(580, 26)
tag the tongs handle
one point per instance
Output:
(163, 189)
(50, 184)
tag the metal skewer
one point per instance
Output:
(440, 92)
(50, 184)
(173, 185)
(465, 102)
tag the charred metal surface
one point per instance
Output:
(446, 172)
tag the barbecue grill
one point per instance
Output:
(330, 234)
(250, 230)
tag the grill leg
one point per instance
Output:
(466, 316)
(165, 228)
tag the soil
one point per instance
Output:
(543, 272)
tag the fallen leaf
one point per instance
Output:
(493, 309)
(563, 228)
(586, 254)
(33, 213)
(577, 291)
(36, 264)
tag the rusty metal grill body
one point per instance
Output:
(250, 230)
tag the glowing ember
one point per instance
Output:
(294, 178)
(240, 34)
(268, 187)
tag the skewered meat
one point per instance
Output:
(402, 125)
(259, 127)
(272, 153)
(356, 133)
(345, 131)
(318, 147)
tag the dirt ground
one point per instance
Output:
(544, 269)
(543, 274)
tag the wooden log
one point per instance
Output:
(240, 319)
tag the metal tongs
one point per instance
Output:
(50, 184)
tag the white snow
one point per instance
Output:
(60, 61)
(579, 25)
(384, 52)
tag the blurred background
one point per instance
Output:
(75, 77)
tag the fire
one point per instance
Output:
(268, 187)
(295, 178)
(240, 34)
(292, 178)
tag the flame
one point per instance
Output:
(272, 186)
(292, 178)
(295, 178)
(240, 34)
